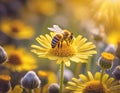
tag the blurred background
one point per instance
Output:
(21, 21)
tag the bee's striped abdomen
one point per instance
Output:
(56, 39)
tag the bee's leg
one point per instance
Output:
(61, 43)
(58, 45)
(67, 42)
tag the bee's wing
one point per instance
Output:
(56, 28)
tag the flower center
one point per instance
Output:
(16, 27)
(64, 51)
(108, 56)
(14, 59)
(15, 30)
(95, 87)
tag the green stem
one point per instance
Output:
(61, 76)
(103, 70)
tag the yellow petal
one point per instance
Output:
(75, 59)
(67, 63)
(43, 42)
(105, 77)
(83, 77)
(90, 76)
(109, 81)
(97, 75)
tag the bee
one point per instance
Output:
(62, 35)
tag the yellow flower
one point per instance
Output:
(52, 78)
(113, 37)
(45, 7)
(16, 29)
(91, 84)
(19, 59)
(46, 77)
(77, 8)
(77, 49)
(106, 12)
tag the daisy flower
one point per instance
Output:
(54, 46)
(91, 84)
(19, 59)
(16, 29)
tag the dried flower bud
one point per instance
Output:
(110, 48)
(3, 55)
(118, 50)
(5, 83)
(106, 60)
(30, 80)
(53, 88)
(116, 73)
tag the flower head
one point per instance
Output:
(16, 29)
(91, 84)
(66, 47)
(106, 60)
(53, 88)
(19, 59)
(116, 73)
(30, 80)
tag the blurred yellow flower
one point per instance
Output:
(78, 50)
(113, 37)
(45, 7)
(91, 84)
(16, 29)
(106, 12)
(78, 8)
(46, 77)
(52, 78)
(5, 77)
(17, 89)
(19, 59)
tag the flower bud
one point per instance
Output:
(106, 60)
(118, 50)
(5, 83)
(110, 48)
(3, 55)
(116, 73)
(53, 88)
(30, 80)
